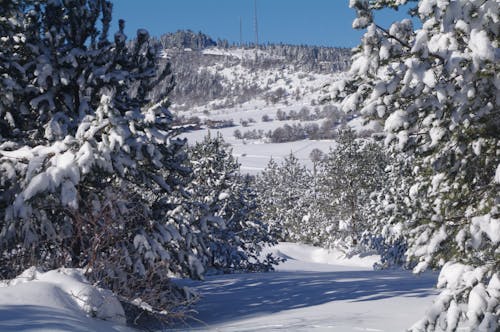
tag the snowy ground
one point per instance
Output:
(254, 155)
(57, 301)
(314, 290)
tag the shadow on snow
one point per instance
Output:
(229, 297)
(35, 318)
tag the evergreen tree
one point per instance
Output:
(222, 196)
(435, 89)
(389, 210)
(91, 173)
(350, 173)
(283, 197)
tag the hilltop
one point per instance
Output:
(268, 95)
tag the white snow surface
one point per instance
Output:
(58, 300)
(314, 290)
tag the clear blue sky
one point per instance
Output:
(312, 22)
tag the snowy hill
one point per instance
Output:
(266, 102)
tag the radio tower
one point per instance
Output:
(241, 39)
(241, 33)
(256, 26)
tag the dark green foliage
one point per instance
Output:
(223, 197)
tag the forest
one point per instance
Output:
(95, 176)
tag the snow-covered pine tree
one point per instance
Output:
(283, 194)
(10, 69)
(389, 211)
(436, 89)
(348, 175)
(268, 188)
(223, 197)
(90, 173)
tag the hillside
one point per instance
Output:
(270, 95)
(219, 75)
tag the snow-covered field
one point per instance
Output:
(315, 289)
(254, 155)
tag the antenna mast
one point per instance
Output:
(256, 26)
(241, 32)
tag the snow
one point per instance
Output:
(395, 121)
(485, 225)
(59, 300)
(254, 155)
(315, 255)
(480, 45)
(315, 289)
(430, 79)
(223, 196)
(63, 170)
(239, 53)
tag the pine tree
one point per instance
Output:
(91, 173)
(435, 89)
(389, 210)
(348, 175)
(223, 197)
(283, 198)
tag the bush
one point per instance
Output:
(266, 118)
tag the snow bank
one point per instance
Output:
(300, 254)
(58, 300)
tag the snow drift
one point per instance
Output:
(58, 300)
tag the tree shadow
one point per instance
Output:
(229, 297)
(35, 318)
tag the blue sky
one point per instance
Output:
(312, 22)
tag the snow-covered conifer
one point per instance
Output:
(348, 175)
(224, 198)
(436, 91)
(283, 197)
(91, 174)
(389, 212)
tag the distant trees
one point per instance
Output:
(330, 206)
(196, 85)
(281, 115)
(266, 118)
(311, 58)
(187, 39)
